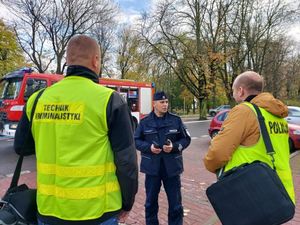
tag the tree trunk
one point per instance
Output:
(58, 64)
(194, 106)
(202, 109)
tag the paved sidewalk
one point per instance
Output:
(195, 180)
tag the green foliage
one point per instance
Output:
(169, 83)
(293, 102)
(216, 96)
(11, 56)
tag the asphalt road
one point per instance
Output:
(8, 158)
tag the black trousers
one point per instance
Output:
(172, 187)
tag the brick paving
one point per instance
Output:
(195, 180)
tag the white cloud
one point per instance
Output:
(5, 14)
(294, 32)
(130, 16)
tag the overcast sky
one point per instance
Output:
(131, 10)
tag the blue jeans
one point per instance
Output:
(111, 221)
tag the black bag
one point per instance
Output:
(18, 206)
(252, 194)
(20, 203)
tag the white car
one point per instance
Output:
(294, 115)
(213, 112)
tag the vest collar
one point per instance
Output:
(81, 71)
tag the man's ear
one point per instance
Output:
(96, 63)
(241, 91)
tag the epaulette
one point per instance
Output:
(146, 117)
(172, 114)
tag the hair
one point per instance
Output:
(251, 81)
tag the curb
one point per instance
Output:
(294, 154)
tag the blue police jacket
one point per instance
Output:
(159, 129)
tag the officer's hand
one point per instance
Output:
(155, 150)
(168, 146)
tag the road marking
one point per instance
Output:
(22, 172)
(197, 121)
(204, 136)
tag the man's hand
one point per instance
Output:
(123, 215)
(168, 146)
(155, 150)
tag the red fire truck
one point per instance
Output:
(16, 87)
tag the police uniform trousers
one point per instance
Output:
(172, 186)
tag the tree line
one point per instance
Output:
(193, 49)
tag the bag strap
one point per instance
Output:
(265, 134)
(17, 172)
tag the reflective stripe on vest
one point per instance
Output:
(79, 193)
(76, 174)
(66, 171)
(278, 132)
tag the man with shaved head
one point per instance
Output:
(240, 141)
(85, 51)
(82, 135)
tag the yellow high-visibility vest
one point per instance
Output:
(76, 174)
(279, 134)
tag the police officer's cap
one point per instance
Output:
(159, 95)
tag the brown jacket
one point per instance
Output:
(241, 127)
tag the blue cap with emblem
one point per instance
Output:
(159, 95)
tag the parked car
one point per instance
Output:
(213, 112)
(217, 121)
(294, 115)
(294, 140)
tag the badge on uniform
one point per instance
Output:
(173, 131)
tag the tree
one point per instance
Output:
(274, 71)
(180, 50)
(250, 29)
(292, 70)
(135, 60)
(64, 19)
(126, 50)
(104, 31)
(11, 55)
(188, 100)
(30, 34)
(44, 27)
(208, 43)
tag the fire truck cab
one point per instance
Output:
(16, 87)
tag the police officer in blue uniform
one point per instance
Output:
(161, 137)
